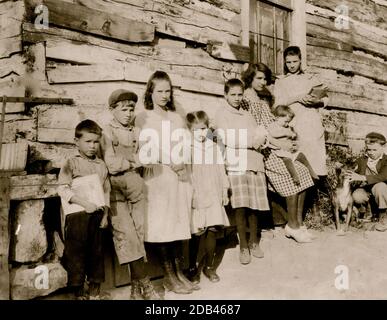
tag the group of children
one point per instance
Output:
(112, 154)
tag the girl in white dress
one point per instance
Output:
(168, 185)
(210, 195)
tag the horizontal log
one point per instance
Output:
(55, 34)
(219, 9)
(233, 52)
(348, 102)
(320, 23)
(19, 128)
(33, 187)
(56, 124)
(93, 73)
(86, 49)
(368, 12)
(53, 153)
(201, 86)
(11, 17)
(172, 20)
(10, 46)
(37, 100)
(186, 15)
(324, 43)
(231, 5)
(97, 22)
(356, 86)
(125, 71)
(356, 63)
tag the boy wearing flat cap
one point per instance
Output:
(119, 148)
(372, 171)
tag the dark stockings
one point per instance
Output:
(240, 217)
(137, 269)
(295, 206)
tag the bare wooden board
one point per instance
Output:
(13, 85)
(356, 63)
(174, 20)
(9, 46)
(33, 187)
(93, 21)
(321, 23)
(369, 12)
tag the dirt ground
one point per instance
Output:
(298, 271)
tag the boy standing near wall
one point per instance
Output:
(372, 171)
(83, 254)
(120, 152)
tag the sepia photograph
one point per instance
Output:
(211, 151)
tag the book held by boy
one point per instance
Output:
(88, 187)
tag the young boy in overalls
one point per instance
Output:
(119, 148)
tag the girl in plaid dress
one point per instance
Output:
(257, 99)
(244, 165)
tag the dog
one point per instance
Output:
(346, 198)
(342, 199)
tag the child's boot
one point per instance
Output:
(148, 290)
(182, 278)
(194, 275)
(171, 283)
(209, 270)
(135, 293)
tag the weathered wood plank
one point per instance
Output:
(356, 63)
(172, 24)
(232, 5)
(356, 86)
(11, 16)
(54, 153)
(183, 14)
(33, 187)
(202, 86)
(19, 127)
(220, 10)
(13, 156)
(320, 23)
(81, 53)
(227, 51)
(348, 102)
(55, 34)
(129, 72)
(12, 65)
(94, 73)
(86, 50)
(57, 124)
(10, 45)
(13, 85)
(369, 12)
(97, 22)
(4, 237)
(324, 43)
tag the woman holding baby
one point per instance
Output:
(258, 100)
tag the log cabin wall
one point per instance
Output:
(75, 58)
(93, 47)
(352, 61)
